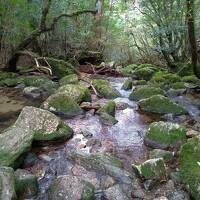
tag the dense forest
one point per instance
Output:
(99, 99)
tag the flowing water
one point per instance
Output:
(124, 140)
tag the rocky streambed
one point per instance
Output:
(100, 153)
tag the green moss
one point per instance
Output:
(11, 82)
(161, 105)
(166, 133)
(107, 119)
(190, 166)
(128, 70)
(178, 85)
(88, 192)
(105, 89)
(62, 104)
(159, 153)
(145, 92)
(128, 84)
(69, 79)
(141, 82)
(190, 79)
(153, 169)
(109, 108)
(143, 73)
(63, 132)
(76, 92)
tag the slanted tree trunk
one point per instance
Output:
(11, 64)
(192, 37)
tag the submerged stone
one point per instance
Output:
(145, 92)
(190, 166)
(152, 169)
(161, 105)
(165, 134)
(7, 184)
(70, 187)
(105, 89)
(63, 105)
(33, 124)
(76, 92)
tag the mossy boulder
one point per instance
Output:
(60, 68)
(26, 184)
(159, 153)
(190, 79)
(128, 70)
(11, 82)
(161, 105)
(162, 135)
(63, 105)
(190, 166)
(33, 124)
(109, 108)
(128, 84)
(153, 169)
(76, 92)
(71, 187)
(105, 89)
(41, 82)
(69, 79)
(145, 92)
(107, 119)
(144, 73)
(7, 184)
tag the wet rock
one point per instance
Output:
(76, 92)
(159, 153)
(115, 193)
(145, 92)
(71, 187)
(7, 184)
(161, 105)
(107, 119)
(30, 160)
(152, 169)
(107, 182)
(190, 166)
(87, 134)
(93, 142)
(175, 177)
(161, 198)
(33, 124)
(26, 184)
(192, 133)
(128, 84)
(104, 88)
(178, 195)
(109, 165)
(162, 135)
(149, 184)
(175, 92)
(109, 108)
(121, 106)
(69, 79)
(63, 105)
(32, 92)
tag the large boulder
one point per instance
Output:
(69, 79)
(105, 89)
(63, 105)
(162, 135)
(33, 124)
(7, 184)
(145, 92)
(76, 92)
(153, 169)
(190, 166)
(161, 105)
(70, 187)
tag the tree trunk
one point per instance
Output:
(192, 37)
